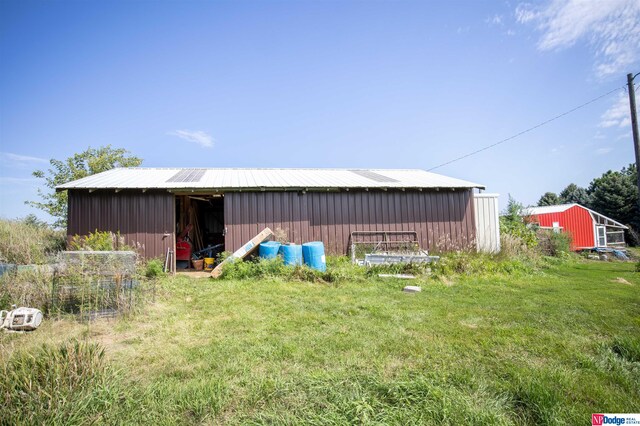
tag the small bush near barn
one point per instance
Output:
(99, 241)
(553, 243)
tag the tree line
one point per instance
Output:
(614, 194)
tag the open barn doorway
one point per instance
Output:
(200, 229)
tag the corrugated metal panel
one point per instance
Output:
(444, 220)
(559, 208)
(487, 222)
(576, 221)
(229, 179)
(141, 218)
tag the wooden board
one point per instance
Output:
(244, 251)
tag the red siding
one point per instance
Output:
(576, 221)
(330, 217)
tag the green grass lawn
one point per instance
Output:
(544, 348)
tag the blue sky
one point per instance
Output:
(385, 84)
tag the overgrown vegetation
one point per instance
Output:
(513, 223)
(30, 288)
(28, 241)
(551, 243)
(339, 269)
(69, 383)
(477, 349)
(99, 241)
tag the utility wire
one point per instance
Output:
(529, 129)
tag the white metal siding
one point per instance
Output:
(487, 222)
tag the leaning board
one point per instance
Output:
(243, 251)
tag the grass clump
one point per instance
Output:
(69, 383)
(26, 288)
(627, 348)
(28, 241)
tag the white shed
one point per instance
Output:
(487, 222)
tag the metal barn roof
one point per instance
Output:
(549, 209)
(236, 179)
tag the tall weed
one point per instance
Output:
(27, 241)
(66, 384)
(30, 288)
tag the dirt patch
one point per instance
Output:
(621, 280)
(194, 274)
(446, 281)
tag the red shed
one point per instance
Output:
(588, 228)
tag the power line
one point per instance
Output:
(528, 130)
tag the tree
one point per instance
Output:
(514, 222)
(574, 194)
(615, 194)
(549, 199)
(80, 165)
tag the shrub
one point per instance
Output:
(240, 269)
(96, 241)
(513, 222)
(154, 268)
(553, 243)
(28, 241)
(512, 246)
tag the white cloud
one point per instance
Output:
(494, 20)
(11, 157)
(603, 151)
(203, 139)
(610, 27)
(618, 115)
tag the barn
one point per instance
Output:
(588, 228)
(151, 207)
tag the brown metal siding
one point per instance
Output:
(141, 218)
(442, 219)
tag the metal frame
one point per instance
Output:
(386, 243)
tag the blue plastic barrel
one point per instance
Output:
(269, 249)
(291, 253)
(313, 254)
